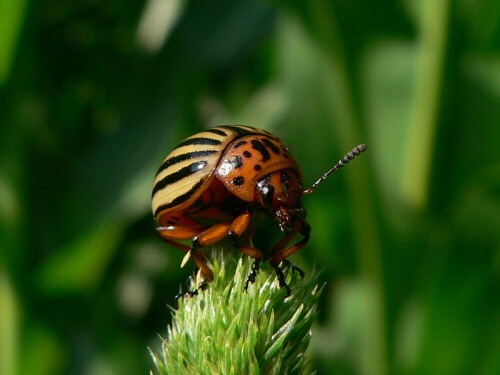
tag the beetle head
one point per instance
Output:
(279, 193)
(292, 218)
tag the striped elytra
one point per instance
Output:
(213, 183)
(238, 156)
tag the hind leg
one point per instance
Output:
(209, 236)
(174, 233)
(171, 235)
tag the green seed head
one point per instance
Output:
(227, 330)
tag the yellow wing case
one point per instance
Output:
(188, 169)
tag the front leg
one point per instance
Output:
(281, 252)
(238, 227)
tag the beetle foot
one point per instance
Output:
(253, 273)
(187, 284)
(189, 294)
(287, 264)
(178, 296)
(300, 272)
(281, 280)
(194, 292)
(201, 286)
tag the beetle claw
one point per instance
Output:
(202, 285)
(287, 264)
(191, 293)
(281, 280)
(299, 271)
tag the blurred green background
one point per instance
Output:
(94, 94)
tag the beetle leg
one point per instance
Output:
(281, 252)
(173, 233)
(234, 230)
(240, 224)
(211, 235)
(201, 238)
(283, 243)
(187, 284)
(177, 232)
(287, 264)
(206, 238)
(238, 227)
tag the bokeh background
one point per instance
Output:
(94, 94)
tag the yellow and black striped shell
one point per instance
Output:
(238, 156)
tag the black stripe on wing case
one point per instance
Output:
(216, 131)
(182, 157)
(238, 130)
(200, 141)
(179, 175)
(180, 199)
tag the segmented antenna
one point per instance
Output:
(346, 159)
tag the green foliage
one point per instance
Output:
(227, 330)
(93, 94)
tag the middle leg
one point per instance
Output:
(234, 231)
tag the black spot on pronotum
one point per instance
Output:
(237, 162)
(247, 154)
(271, 145)
(239, 144)
(238, 181)
(257, 167)
(257, 145)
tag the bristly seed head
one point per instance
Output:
(227, 330)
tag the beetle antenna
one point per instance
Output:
(346, 159)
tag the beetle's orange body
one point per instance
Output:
(212, 183)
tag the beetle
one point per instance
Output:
(212, 184)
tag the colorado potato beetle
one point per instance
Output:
(212, 184)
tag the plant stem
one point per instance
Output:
(417, 162)
(11, 19)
